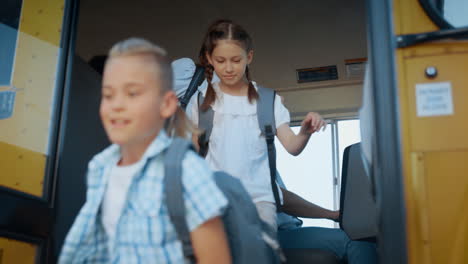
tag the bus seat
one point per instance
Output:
(309, 255)
(358, 211)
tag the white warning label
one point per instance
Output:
(434, 99)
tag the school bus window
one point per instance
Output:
(310, 174)
(348, 134)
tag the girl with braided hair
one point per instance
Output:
(236, 144)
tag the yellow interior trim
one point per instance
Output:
(43, 19)
(22, 169)
(13, 251)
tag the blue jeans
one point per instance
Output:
(331, 239)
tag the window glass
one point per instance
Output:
(310, 174)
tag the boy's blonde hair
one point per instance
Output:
(178, 124)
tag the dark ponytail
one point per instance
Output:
(251, 92)
(179, 125)
(210, 96)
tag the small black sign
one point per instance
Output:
(317, 74)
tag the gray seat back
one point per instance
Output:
(358, 211)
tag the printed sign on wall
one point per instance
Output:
(434, 99)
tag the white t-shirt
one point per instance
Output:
(236, 144)
(115, 196)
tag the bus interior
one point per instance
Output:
(387, 76)
(315, 63)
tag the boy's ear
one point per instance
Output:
(169, 104)
(250, 56)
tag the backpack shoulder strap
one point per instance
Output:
(205, 122)
(196, 81)
(173, 192)
(266, 110)
(266, 123)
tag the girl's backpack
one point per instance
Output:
(244, 228)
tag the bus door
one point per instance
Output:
(432, 67)
(34, 41)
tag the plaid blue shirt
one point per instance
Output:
(144, 232)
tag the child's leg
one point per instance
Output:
(267, 212)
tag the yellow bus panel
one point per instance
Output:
(12, 251)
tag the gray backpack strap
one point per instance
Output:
(266, 122)
(266, 109)
(173, 191)
(205, 122)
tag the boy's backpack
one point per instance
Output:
(266, 123)
(243, 226)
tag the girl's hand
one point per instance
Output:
(312, 123)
